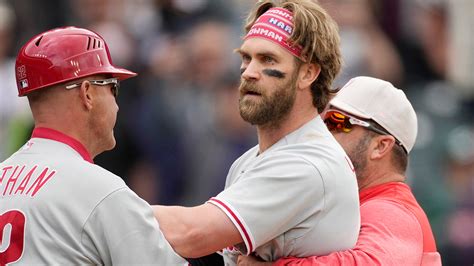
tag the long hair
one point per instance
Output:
(318, 35)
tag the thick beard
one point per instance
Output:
(358, 156)
(270, 110)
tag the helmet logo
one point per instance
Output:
(24, 83)
(21, 72)
(21, 75)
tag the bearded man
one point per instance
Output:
(295, 193)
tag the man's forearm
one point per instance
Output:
(173, 227)
(196, 231)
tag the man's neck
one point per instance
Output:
(271, 134)
(73, 128)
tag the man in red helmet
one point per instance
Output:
(58, 207)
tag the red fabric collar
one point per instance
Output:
(48, 133)
(389, 189)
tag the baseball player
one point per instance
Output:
(58, 207)
(295, 193)
(377, 126)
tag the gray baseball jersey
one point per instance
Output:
(58, 208)
(298, 198)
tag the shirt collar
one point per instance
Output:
(313, 129)
(48, 133)
(384, 188)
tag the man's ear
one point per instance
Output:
(381, 146)
(86, 94)
(308, 73)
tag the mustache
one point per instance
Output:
(249, 87)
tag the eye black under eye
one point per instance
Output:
(274, 73)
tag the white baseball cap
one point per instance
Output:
(380, 101)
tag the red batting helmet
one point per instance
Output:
(61, 55)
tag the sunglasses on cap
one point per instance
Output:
(100, 82)
(339, 121)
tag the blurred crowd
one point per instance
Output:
(179, 130)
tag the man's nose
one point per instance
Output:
(251, 72)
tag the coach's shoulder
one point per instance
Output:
(93, 177)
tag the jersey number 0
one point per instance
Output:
(12, 236)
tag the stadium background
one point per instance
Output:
(179, 130)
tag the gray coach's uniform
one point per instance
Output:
(58, 208)
(298, 198)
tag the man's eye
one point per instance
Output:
(246, 58)
(268, 59)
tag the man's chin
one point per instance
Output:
(112, 144)
(252, 118)
(250, 101)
